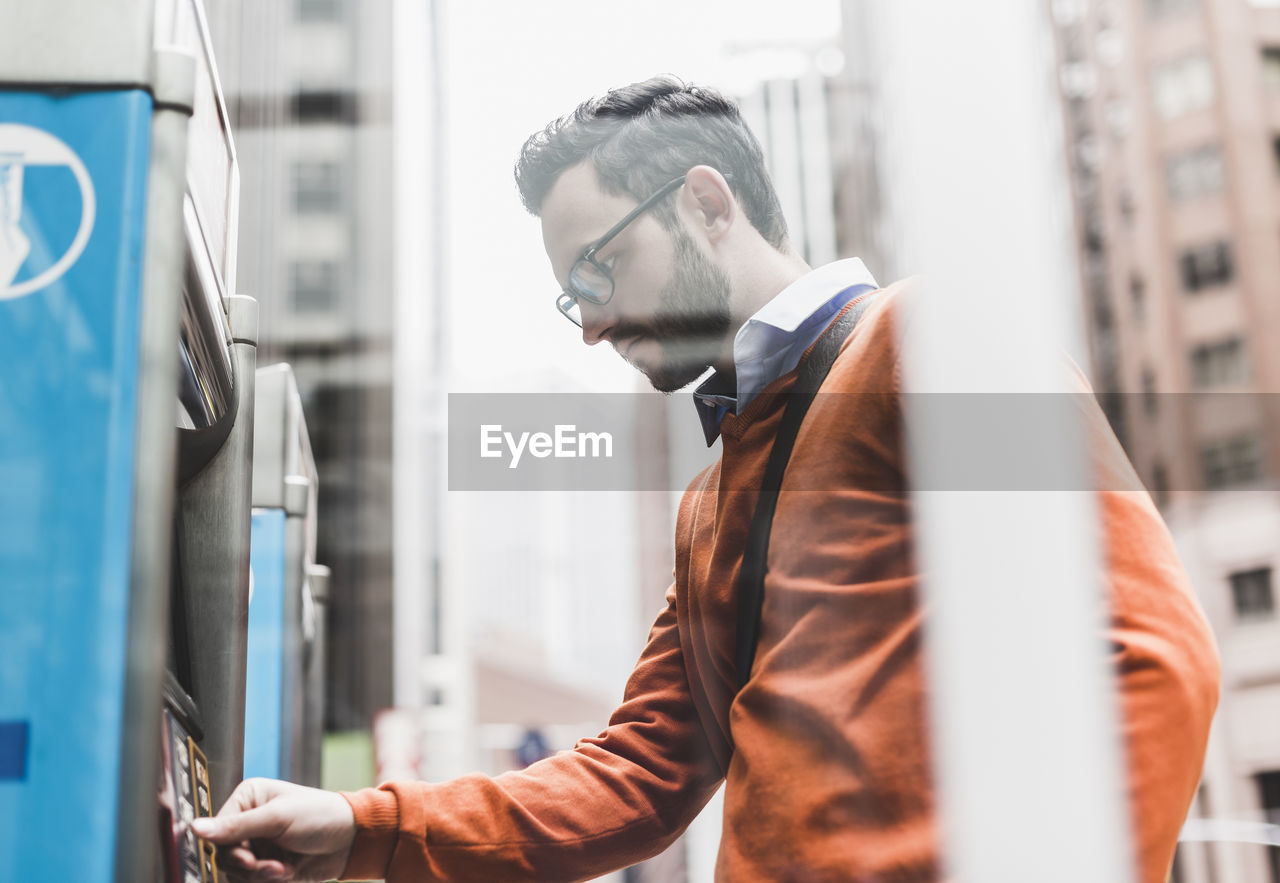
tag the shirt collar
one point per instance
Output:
(772, 341)
(802, 298)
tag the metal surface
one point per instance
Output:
(206, 389)
(71, 42)
(298, 530)
(174, 80)
(216, 510)
(283, 447)
(213, 173)
(314, 655)
(243, 311)
(153, 486)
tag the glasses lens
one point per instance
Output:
(566, 304)
(590, 283)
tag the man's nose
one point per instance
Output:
(597, 322)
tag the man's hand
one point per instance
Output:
(281, 831)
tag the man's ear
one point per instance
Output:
(709, 202)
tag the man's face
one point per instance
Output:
(669, 315)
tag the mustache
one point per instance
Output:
(671, 326)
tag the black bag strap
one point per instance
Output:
(755, 555)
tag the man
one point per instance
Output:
(666, 237)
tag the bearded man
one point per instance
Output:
(667, 241)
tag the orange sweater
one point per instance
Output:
(826, 749)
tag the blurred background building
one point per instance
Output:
(308, 85)
(1172, 110)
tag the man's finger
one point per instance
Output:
(240, 856)
(254, 824)
(273, 870)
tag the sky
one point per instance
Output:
(511, 67)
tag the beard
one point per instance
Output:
(691, 320)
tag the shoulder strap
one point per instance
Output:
(755, 555)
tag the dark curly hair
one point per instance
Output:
(641, 136)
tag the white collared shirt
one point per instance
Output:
(771, 342)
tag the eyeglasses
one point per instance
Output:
(591, 280)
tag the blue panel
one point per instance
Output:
(73, 171)
(264, 688)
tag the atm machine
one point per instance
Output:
(127, 370)
(283, 708)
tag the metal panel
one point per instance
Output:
(315, 594)
(154, 500)
(215, 509)
(299, 549)
(276, 453)
(213, 171)
(70, 334)
(71, 42)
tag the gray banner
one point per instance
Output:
(978, 442)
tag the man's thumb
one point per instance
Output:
(248, 825)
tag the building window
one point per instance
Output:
(1206, 266)
(317, 187)
(1194, 174)
(1149, 400)
(319, 10)
(1271, 68)
(1218, 364)
(1183, 86)
(1251, 594)
(1079, 80)
(1234, 461)
(1119, 117)
(314, 286)
(1068, 12)
(1275, 149)
(1128, 206)
(1165, 8)
(1159, 484)
(1138, 298)
(1269, 797)
(323, 106)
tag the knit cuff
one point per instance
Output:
(377, 814)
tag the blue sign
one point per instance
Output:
(265, 745)
(73, 173)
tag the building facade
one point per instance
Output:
(1172, 112)
(308, 87)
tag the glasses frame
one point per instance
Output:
(570, 296)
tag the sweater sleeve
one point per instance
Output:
(1163, 652)
(613, 800)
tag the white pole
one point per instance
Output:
(1028, 763)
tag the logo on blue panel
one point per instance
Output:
(46, 209)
